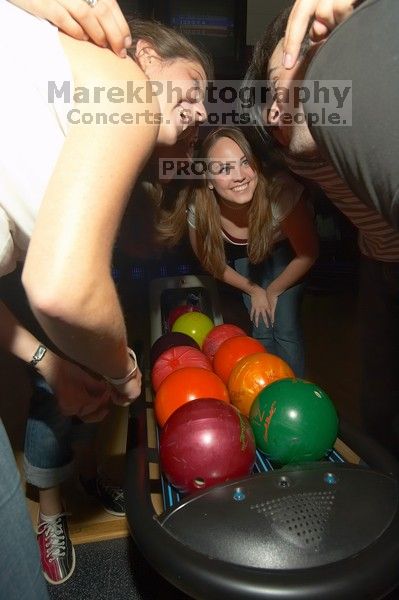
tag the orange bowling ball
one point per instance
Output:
(251, 374)
(217, 336)
(184, 385)
(233, 350)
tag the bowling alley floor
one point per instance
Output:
(114, 569)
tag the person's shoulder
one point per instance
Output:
(286, 186)
(287, 192)
(284, 178)
(91, 64)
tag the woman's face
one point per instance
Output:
(180, 89)
(232, 177)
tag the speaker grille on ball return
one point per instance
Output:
(292, 519)
(300, 519)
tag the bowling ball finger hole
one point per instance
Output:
(199, 482)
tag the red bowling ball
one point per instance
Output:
(206, 442)
(174, 359)
(176, 312)
(217, 336)
(170, 340)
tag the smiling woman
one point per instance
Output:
(61, 191)
(257, 235)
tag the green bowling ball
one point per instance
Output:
(293, 421)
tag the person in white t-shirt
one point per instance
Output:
(257, 235)
(78, 126)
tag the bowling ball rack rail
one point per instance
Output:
(326, 530)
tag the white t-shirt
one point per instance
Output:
(281, 206)
(32, 128)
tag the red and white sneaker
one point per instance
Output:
(57, 554)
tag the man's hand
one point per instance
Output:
(77, 392)
(123, 395)
(322, 15)
(103, 23)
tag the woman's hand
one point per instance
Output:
(103, 23)
(260, 306)
(77, 392)
(325, 14)
(272, 297)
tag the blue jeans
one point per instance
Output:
(48, 460)
(20, 571)
(284, 338)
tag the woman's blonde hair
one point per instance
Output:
(168, 43)
(210, 244)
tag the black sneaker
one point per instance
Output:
(110, 495)
(57, 554)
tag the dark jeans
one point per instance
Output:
(366, 153)
(379, 312)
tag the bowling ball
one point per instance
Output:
(170, 340)
(233, 350)
(293, 421)
(206, 442)
(251, 374)
(178, 311)
(217, 336)
(195, 324)
(176, 358)
(185, 385)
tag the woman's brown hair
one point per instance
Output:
(168, 43)
(210, 242)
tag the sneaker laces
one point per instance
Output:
(54, 536)
(114, 491)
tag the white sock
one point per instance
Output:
(48, 518)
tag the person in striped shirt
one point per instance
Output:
(378, 240)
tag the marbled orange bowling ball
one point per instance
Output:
(231, 351)
(253, 373)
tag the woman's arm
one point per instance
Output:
(103, 23)
(300, 230)
(67, 273)
(259, 299)
(77, 392)
(230, 276)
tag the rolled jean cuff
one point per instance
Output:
(47, 478)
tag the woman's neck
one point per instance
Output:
(236, 214)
